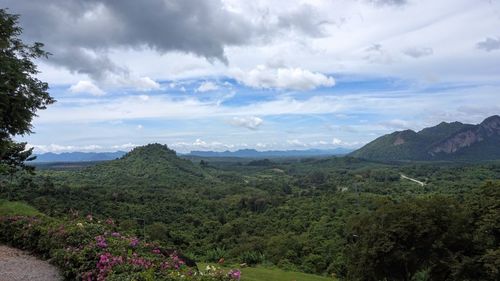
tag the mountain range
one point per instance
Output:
(252, 153)
(78, 156)
(447, 141)
(242, 153)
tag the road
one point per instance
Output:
(413, 180)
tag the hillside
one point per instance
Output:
(150, 165)
(446, 141)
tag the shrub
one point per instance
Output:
(89, 250)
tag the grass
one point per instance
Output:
(8, 208)
(275, 274)
(261, 273)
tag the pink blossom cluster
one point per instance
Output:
(106, 263)
(177, 262)
(134, 242)
(142, 262)
(234, 274)
(101, 242)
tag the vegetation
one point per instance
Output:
(21, 93)
(321, 216)
(86, 249)
(276, 274)
(17, 208)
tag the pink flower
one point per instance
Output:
(101, 242)
(235, 274)
(134, 242)
(156, 251)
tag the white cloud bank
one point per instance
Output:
(283, 78)
(86, 87)
(249, 122)
(56, 148)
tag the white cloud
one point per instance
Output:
(86, 87)
(144, 97)
(125, 146)
(396, 124)
(144, 84)
(249, 122)
(283, 78)
(337, 141)
(56, 148)
(296, 142)
(203, 145)
(140, 127)
(417, 52)
(207, 86)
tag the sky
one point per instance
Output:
(265, 74)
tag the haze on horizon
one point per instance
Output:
(271, 75)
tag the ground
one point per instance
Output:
(16, 265)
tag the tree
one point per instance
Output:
(21, 93)
(400, 241)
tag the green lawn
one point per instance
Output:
(260, 273)
(274, 274)
(8, 208)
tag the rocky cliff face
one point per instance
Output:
(455, 143)
(490, 127)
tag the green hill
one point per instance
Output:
(446, 141)
(150, 165)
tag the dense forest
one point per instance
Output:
(345, 217)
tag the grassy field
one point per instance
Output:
(275, 274)
(8, 208)
(260, 273)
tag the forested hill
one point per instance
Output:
(151, 165)
(446, 141)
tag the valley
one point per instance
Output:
(297, 214)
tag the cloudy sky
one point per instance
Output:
(231, 74)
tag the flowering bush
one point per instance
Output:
(92, 251)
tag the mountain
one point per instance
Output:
(149, 165)
(446, 141)
(78, 156)
(252, 153)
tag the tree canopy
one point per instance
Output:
(21, 93)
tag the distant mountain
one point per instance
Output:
(252, 153)
(78, 156)
(446, 141)
(149, 165)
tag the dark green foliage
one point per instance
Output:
(21, 93)
(150, 165)
(436, 236)
(292, 214)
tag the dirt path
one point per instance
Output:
(413, 180)
(16, 265)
